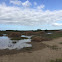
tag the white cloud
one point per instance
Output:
(26, 4)
(16, 2)
(41, 6)
(57, 24)
(30, 16)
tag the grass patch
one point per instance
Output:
(18, 38)
(14, 42)
(54, 47)
(46, 37)
(60, 42)
(54, 35)
(27, 49)
(39, 38)
(24, 38)
(14, 34)
(1, 34)
(57, 60)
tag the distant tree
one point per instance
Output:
(39, 30)
(46, 30)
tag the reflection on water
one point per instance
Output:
(4, 34)
(6, 43)
(48, 33)
(26, 36)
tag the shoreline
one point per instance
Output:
(41, 53)
(35, 46)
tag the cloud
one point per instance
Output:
(26, 4)
(30, 16)
(41, 6)
(57, 24)
(15, 2)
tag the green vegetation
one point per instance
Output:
(42, 36)
(38, 35)
(57, 60)
(54, 35)
(14, 42)
(27, 48)
(1, 34)
(18, 38)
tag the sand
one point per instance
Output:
(40, 55)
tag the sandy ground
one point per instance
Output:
(41, 55)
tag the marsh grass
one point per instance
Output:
(54, 35)
(60, 43)
(46, 37)
(14, 34)
(14, 42)
(18, 38)
(54, 47)
(1, 34)
(39, 38)
(57, 60)
(27, 49)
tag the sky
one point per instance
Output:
(30, 14)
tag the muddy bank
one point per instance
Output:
(35, 47)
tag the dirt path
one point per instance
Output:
(44, 55)
(54, 42)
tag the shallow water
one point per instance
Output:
(6, 43)
(48, 33)
(26, 36)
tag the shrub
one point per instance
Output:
(1, 34)
(54, 47)
(28, 33)
(14, 34)
(38, 38)
(57, 60)
(58, 31)
(60, 42)
(34, 33)
(39, 33)
(18, 38)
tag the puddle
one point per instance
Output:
(4, 34)
(26, 36)
(6, 43)
(48, 33)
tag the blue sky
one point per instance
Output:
(30, 14)
(50, 4)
